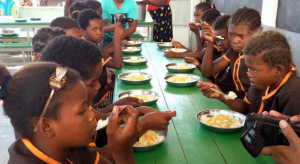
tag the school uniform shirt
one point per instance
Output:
(129, 9)
(239, 70)
(222, 79)
(22, 151)
(104, 96)
(284, 99)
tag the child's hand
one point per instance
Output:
(208, 32)
(285, 154)
(133, 101)
(119, 31)
(177, 44)
(124, 42)
(192, 60)
(194, 28)
(172, 54)
(205, 88)
(156, 121)
(145, 110)
(121, 140)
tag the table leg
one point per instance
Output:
(28, 37)
(23, 55)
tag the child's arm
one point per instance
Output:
(135, 102)
(193, 61)
(109, 48)
(108, 28)
(131, 29)
(237, 104)
(179, 45)
(196, 31)
(210, 67)
(117, 60)
(155, 121)
(172, 54)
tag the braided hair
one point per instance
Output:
(222, 22)
(210, 16)
(44, 36)
(246, 16)
(273, 47)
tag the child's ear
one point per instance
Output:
(37, 56)
(45, 127)
(82, 31)
(279, 70)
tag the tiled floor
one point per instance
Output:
(7, 136)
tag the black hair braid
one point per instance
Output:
(246, 16)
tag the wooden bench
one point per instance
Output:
(25, 48)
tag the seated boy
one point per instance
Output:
(274, 86)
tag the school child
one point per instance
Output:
(208, 16)
(198, 12)
(95, 5)
(5, 77)
(92, 30)
(68, 24)
(43, 37)
(76, 8)
(244, 23)
(222, 79)
(85, 57)
(274, 84)
(47, 106)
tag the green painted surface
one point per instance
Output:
(15, 45)
(188, 142)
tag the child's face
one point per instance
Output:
(224, 45)
(75, 126)
(261, 75)
(73, 32)
(239, 35)
(92, 84)
(197, 15)
(94, 31)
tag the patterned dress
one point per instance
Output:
(162, 30)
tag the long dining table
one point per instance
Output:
(188, 141)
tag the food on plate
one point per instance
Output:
(179, 66)
(149, 138)
(181, 79)
(134, 60)
(145, 98)
(222, 121)
(136, 77)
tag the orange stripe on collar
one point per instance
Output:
(266, 96)
(35, 151)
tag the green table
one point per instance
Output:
(188, 142)
(9, 22)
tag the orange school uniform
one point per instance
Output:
(283, 99)
(239, 70)
(23, 151)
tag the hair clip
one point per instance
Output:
(75, 11)
(57, 81)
